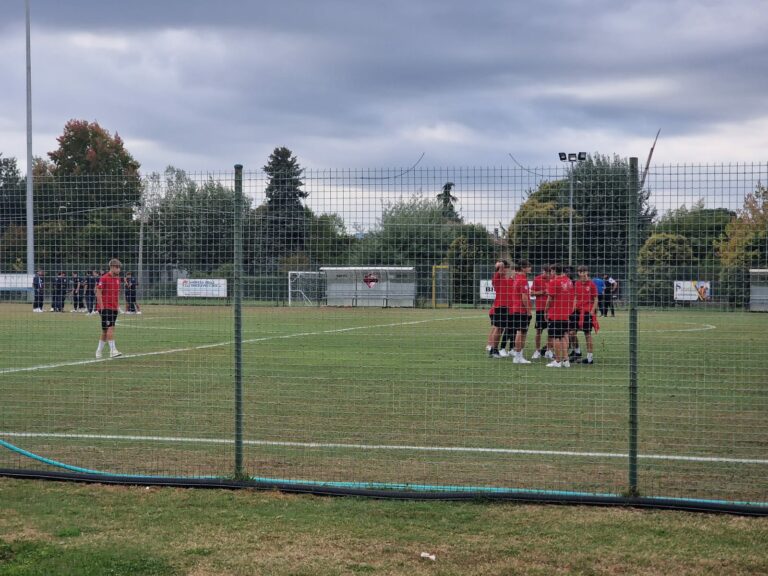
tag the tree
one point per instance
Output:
(285, 223)
(468, 255)
(663, 259)
(744, 245)
(413, 232)
(446, 200)
(702, 226)
(12, 194)
(601, 203)
(539, 230)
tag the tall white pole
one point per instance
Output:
(30, 186)
(570, 221)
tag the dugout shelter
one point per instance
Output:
(379, 286)
(758, 290)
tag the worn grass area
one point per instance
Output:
(54, 528)
(391, 395)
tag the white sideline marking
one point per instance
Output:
(383, 447)
(219, 344)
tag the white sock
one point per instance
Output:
(589, 355)
(101, 346)
(112, 345)
(578, 350)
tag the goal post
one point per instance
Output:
(441, 286)
(306, 288)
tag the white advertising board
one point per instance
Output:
(201, 288)
(488, 293)
(692, 290)
(16, 281)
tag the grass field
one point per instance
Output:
(395, 396)
(49, 528)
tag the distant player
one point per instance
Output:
(600, 285)
(76, 288)
(539, 290)
(520, 310)
(611, 293)
(59, 292)
(107, 303)
(38, 286)
(584, 318)
(560, 300)
(90, 291)
(499, 312)
(131, 307)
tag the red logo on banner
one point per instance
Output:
(370, 280)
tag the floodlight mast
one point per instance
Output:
(571, 157)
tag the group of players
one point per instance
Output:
(563, 308)
(81, 289)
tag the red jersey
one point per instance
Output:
(502, 286)
(540, 284)
(110, 291)
(560, 291)
(586, 292)
(519, 292)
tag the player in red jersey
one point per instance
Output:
(520, 310)
(499, 312)
(107, 303)
(585, 314)
(539, 290)
(560, 300)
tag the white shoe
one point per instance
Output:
(115, 353)
(536, 355)
(566, 364)
(520, 359)
(554, 364)
(503, 353)
(138, 312)
(98, 353)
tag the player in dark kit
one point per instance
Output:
(38, 285)
(90, 291)
(59, 292)
(107, 303)
(76, 288)
(130, 294)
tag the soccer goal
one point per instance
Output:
(306, 288)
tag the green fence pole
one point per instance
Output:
(633, 208)
(238, 312)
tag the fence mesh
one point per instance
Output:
(337, 332)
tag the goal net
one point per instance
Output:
(306, 288)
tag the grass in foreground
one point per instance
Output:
(66, 529)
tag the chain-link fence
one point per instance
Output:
(330, 329)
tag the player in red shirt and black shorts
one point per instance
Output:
(539, 290)
(499, 312)
(520, 310)
(107, 303)
(584, 318)
(559, 308)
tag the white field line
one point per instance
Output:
(220, 344)
(319, 445)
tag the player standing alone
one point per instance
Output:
(107, 303)
(559, 309)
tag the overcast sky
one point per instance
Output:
(203, 85)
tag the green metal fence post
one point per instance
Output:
(238, 313)
(634, 207)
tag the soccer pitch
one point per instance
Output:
(391, 398)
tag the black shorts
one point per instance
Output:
(541, 320)
(558, 328)
(108, 318)
(500, 317)
(586, 325)
(519, 321)
(573, 321)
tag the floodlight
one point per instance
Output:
(582, 155)
(563, 156)
(572, 157)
